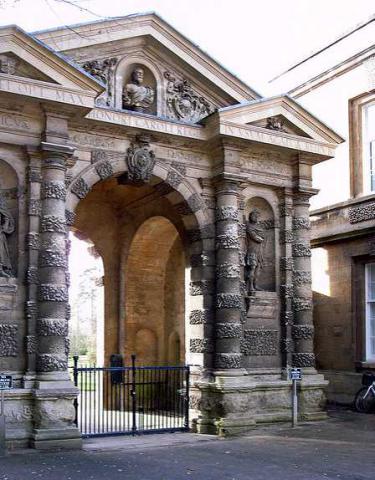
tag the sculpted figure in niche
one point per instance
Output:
(136, 96)
(6, 228)
(254, 251)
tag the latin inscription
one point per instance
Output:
(122, 118)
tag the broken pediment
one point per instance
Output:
(11, 64)
(279, 123)
(30, 68)
(279, 114)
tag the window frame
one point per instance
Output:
(369, 356)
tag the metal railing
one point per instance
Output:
(131, 400)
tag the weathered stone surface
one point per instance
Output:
(227, 270)
(304, 332)
(227, 360)
(202, 287)
(207, 231)
(303, 360)
(286, 210)
(80, 188)
(174, 179)
(287, 236)
(227, 213)
(228, 300)
(301, 223)
(51, 223)
(228, 330)
(198, 317)
(202, 259)
(287, 318)
(362, 213)
(286, 263)
(287, 290)
(301, 278)
(31, 344)
(32, 241)
(34, 174)
(34, 207)
(49, 258)
(52, 293)
(52, 327)
(51, 363)
(260, 342)
(70, 217)
(32, 276)
(53, 189)
(227, 241)
(31, 310)
(301, 250)
(201, 345)
(287, 345)
(104, 170)
(301, 304)
(8, 340)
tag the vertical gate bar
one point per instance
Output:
(187, 399)
(75, 380)
(134, 400)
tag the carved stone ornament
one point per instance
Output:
(103, 70)
(183, 103)
(80, 188)
(275, 123)
(52, 293)
(8, 64)
(32, 241)
(7, 226)
(31, 344)
(304, 360)
(362, 213)
(51, 363)
(104, 170)
(54, 190)
(51, 223)
(137, 96)
(8, 340)
(227, 360)
(140, 160)
(228, 330)
(201, 345)
(228, 300)
(199, 317)
(52, 327)
(259, 342)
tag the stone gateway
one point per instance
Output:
(194, 191)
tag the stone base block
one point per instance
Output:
(235, 405)
(342, 386)
(50, 439)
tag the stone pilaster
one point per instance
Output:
(34, 179)
(286, 278)
(55, 392)
(302, 329)
(228, 327)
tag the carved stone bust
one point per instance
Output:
(136, 96)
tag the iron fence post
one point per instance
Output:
(75, 380)
(187, 397)
(134, 396)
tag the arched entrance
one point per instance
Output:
(154, 305)
(146, 235)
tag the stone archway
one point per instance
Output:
(103, 204)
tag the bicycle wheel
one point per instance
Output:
(361, 404)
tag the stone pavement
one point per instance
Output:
(340, 448)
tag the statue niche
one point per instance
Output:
(8, 213)
(259, 247)
(139, 91)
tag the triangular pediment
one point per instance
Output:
(150, 36)
(27, 66)
(280, 114)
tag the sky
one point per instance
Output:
(256, 40)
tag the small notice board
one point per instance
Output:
(6, 382)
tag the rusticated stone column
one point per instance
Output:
(54, 393)
(228, 327)
(52, 326)
(303, 329)
(32, 274)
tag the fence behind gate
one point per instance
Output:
(131, 400)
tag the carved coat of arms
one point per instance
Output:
(183, 103)
(140, 160)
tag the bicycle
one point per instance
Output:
(364, 401)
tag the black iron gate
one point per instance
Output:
(131, 400)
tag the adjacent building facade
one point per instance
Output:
(194, 191)
(338, 84)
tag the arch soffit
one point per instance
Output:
(270, 198)
(89, 177)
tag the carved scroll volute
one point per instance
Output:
(103, 70)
